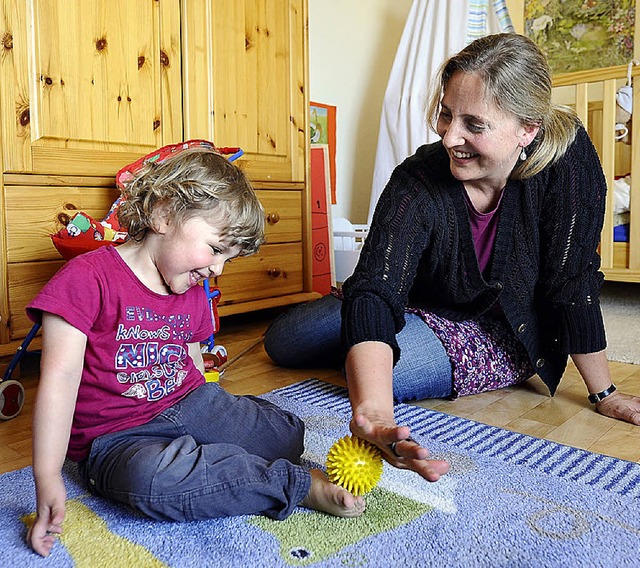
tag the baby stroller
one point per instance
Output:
(11, 391)
(82, 234)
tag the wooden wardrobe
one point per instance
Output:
(89, 86)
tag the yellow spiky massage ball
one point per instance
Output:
(355, 464)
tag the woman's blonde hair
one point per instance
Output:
(517, 80)
(194, 182)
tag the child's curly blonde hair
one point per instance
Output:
(194, 182)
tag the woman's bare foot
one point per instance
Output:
(330, 498)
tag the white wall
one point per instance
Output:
(352, 44)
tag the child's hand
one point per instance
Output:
(51, 497)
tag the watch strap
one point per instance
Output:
(595, 398)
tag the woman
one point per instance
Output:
(480, 268)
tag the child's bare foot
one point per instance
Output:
(330, 498)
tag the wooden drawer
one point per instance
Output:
(276, 270)
(283, 212)
(25, 281)
(32, 216)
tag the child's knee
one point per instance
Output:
(291, 436)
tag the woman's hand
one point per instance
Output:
(51, 496)
(621, 406)
(406, 453)
(594, 369)
(369, 367)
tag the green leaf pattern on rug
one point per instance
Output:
(307, 537)
(90, 543)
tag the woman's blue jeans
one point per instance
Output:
(308, 336)
(212, 454)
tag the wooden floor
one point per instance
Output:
(566, 418)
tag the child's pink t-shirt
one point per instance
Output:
(136, 362)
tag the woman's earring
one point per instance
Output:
(523, 155)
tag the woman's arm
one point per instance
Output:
(376, 294)
(375, 297)
(369, 370)
(62, 361)
(594, 370)
(570, 263)
(570, 225)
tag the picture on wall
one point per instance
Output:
(578, 35)
(322, 126)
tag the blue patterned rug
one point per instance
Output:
(509, 500)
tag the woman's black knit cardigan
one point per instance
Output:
(544, 270)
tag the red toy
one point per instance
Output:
(81, 233)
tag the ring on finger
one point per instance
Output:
(392, 446)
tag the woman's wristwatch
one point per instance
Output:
(595, 398)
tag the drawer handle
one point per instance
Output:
(274, 272)
(273, 218)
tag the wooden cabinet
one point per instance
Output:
(256, 92)
(88, 86)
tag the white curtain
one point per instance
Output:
(435, 30)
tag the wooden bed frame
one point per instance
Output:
(592, 94)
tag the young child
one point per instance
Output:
(121, 387)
